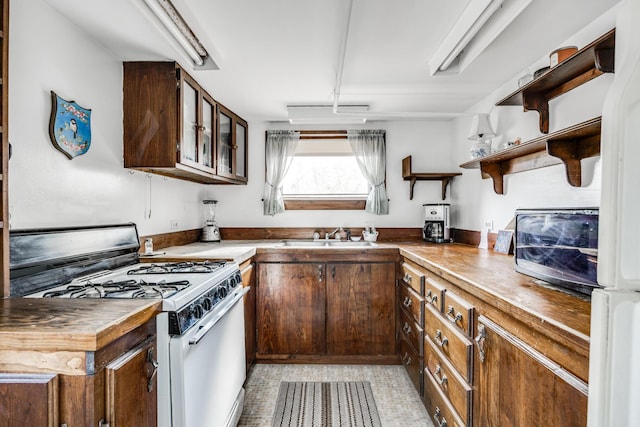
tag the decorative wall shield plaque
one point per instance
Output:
(69, 127)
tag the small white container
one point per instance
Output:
(370, 237)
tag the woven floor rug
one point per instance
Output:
(326, 404)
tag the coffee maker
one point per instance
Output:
(436, 223)
(210, 231)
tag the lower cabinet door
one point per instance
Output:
(132, 392)
(515, 385)
(29, 400)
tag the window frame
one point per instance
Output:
(324, 203)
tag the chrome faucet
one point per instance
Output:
(328, 236)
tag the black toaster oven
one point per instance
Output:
(559, 246)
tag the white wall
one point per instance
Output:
(476, 202)
(47, 52)
(45, 188)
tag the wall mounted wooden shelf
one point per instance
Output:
(588, 63)
(412, 177)
(567, 146)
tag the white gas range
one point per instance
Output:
(200, 332)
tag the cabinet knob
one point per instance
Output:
(407, 302)
(407, 278)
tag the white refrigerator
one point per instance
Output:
(614, 367)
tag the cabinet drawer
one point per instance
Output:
(434, 290)
(449, 381)
(412, 362)
(412, 277)
(412, 331)
(438, 406)
(455, 346)
(459, 312)
(412, 302)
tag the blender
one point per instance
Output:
(210, 231)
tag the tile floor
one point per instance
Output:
(398, 403)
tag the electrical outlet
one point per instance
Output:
(174, 224)
(488, 224)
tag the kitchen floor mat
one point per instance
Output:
(326, 404)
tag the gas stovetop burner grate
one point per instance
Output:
(121, 289)
(178, 267)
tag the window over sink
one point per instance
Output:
(324, 174)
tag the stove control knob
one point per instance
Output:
(207, 304)
(222, 292)
(198, 311)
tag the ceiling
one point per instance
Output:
(286, 52)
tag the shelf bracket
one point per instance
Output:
(494, 171)
(445, 182)
(412, 182)
(537, 102)
(571, 152)
(604, 59)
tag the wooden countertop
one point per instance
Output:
(491, 277)
(69, 324)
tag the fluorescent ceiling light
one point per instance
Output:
(324, 114)
(476, 28)
(175, 24)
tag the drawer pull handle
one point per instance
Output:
(440, 378)
(406, 328)
(440, 339)
(407, 278)
(154, 372)
(480, 341)
(406, 359)
(437, 416)
(407, 302)
(453, 318)
(431, 298)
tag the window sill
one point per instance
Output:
(324, 204)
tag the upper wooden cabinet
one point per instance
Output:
(173, 127)
(232, 145)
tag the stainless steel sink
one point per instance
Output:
(326, 244)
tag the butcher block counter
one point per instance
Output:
(69, 324)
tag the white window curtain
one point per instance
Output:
(279, 151)
(370, 151)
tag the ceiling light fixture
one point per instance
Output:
(480, 23)
(175, 24)
(324, 114)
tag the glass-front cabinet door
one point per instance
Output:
(207, 152)
(189, 128)
(225, 143)
(232, 145)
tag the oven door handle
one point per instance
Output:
(204, 329)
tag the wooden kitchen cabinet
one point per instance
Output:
(518, 386)
(131, 396)
(103, 363)
(326, 311)
(28, 400)
(291, 309)
(171, 127)
(360, 310)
